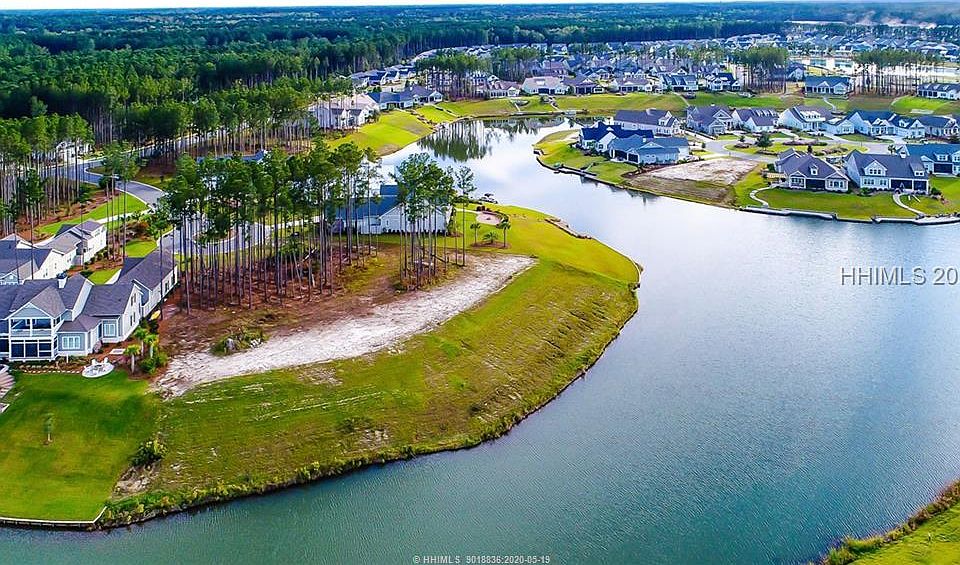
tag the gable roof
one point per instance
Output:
(650, 116)
(825, 81)
(931, 150)
(45, 295)
(109, 300)
(897, 166)
(808, 166)
(149, 271)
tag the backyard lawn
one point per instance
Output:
(434, 114)
(844, 205)
(392, 131)
(105, 210)
(102, 276)
(608, 104)
(950, 190)
(496, 107)
(97, 425)
(140, 248)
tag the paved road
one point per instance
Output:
(147, 193)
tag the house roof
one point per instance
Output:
(940, 86)
(148, 271)
(931, 150)
(600, 129)
(707, 114)
(827, 81)
(650, 116)
(930, 120)
(809, 113)
(808, 166)
(44, 294)
(109, 300)
(897, 166)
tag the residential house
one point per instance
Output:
(827, 86)
(872, 171)
(679, 82)
(659, 122)
(712, 119)
(755, 120)
(58, 317)
(839, 125)
(598, 137)
(878, 123)
(583, 85)
(500, 89)
(943, 127)
(804, 118)
(659, 151)
(937, 158)
(720, 82)
(550, 85)
(803, 171)
(74, 245)
(84, 240)
(383, 213)
(345, 112)
(944, 90)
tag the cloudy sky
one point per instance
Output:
(92, 4)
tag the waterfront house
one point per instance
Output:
(500, 89)
(872, 171)
(943, 90)
(583, 85)
(383, 213)
(598, 136)
(804, 118)
(345, 112)
(802, 171)
(640, 151)
(711, 120)
(937, 158)
(550, 85)
(755, 120)
(826, 86)
(658, 122)
(69, 316)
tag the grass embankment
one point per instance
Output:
(929, 537)
(103, 211)
(469, 380)
(97, 425)
(391, 132)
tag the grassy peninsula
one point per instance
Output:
(469, 380)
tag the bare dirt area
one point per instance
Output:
(724, 171)
(349, 332)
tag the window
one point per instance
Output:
(941, 157)
(109, 329)
(72, 342)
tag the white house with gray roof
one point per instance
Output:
(872, 171)
(803, 171)
(45, 319)
(658, 122)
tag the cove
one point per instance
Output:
(754, 410)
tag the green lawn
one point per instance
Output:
(392, 131)
(497, 107)
(434, 114)
(734, 100)
(606, 104)
(102, 276)
(105, 210)
(909, 104)
(949, 204)
(778, 147)
(752, 181)
(850, 206)
(936, 542)
(140, 248)
(466, 381)
(97, 426)
(857, 137)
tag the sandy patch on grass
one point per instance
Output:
(364, 332)
(720, 171)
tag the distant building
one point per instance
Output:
(804, 118)
(944, 90)
(550, 85)
(74, 245)
(827, 86)
(876, 123)
(939, 126)
(345, 112)
(658, 151)
(755, 120)
(599, 136)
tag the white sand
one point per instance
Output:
(382, 326)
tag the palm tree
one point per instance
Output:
(140, 334)
(490, 238)
(504, 225)
(475, 226)
(132, 351)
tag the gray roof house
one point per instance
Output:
(802, 171)
(946, 90)
(939, 126)
(657, 151)
(937, 158)
(712, 119)
(660, 122)
(756, 120)
(58, 317)
(873, 171)
(73, 245)
(827, 85)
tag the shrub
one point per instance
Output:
(149, 452)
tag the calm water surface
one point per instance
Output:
(752, 412)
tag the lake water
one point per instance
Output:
(753, 411)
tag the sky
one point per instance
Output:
(134, 4)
